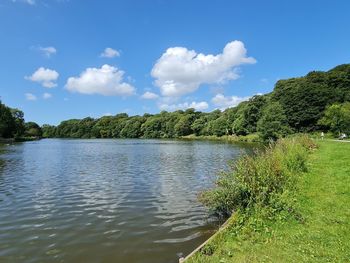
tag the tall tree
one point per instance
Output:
(273, 123)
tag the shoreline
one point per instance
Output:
(237, 241)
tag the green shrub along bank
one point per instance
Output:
(261, 180)
(287, 204)
(295, 105)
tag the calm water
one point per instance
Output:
(106, 200)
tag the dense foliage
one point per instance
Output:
(12, 124)
(305, 99)
(295, 105)
(337, 117)
(260, 180)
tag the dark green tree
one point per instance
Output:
(49, 131)
(6, 122)
(273, 124)
(32, 129)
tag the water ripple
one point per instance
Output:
(106, 200)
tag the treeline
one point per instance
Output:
(319, 101)
(12, 124)
(295, 105)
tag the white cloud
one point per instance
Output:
(47, 95)
(227, 102)
(47, 51)
(149, 96)
(46, 77)
(107, 114)
(110, 53)
(30, 2)
(181, 106)
(107, 81)
(30, 96)
(180, 71)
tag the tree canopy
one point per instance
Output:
(317, 101)
(12, 124)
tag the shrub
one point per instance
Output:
(261, 180)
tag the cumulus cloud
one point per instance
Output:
(46, 77)
(149, 96)
(180, 71)
(110, 53)
(224, 102)
(30, 96)
(203, 105)
(107, 81)
(47, 51)
(47, 96)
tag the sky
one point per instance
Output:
(63, 59)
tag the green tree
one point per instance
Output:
(152, 128)
(7, 122)
(132, 128)
(32, 129)
(273, 124)
(199, 124)
(18, 117)
(337, 118)
(183, 126)
(49, 131)
(219, 127)
(304, 99)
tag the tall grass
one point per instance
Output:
(263, 180)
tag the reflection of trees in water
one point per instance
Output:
(2, 161)
(2, 166)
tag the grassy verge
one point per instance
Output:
(254, 137)
(309, 221)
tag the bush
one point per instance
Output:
(261, 180)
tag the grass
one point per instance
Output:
(321, 232)
(254, 137)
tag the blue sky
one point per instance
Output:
(163, 55)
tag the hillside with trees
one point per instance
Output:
(318, 101)
(295, 105)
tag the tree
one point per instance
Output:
(32, 129)
(239, 125)
(132, 128)
(49, 131)
(273, 123)
(7, 122)
(218, 127)
(183, 126)
(198, 125)
(152, 128)
(18, 117)
(299, 101)
(248, 114)
(304, 99)
(337, 118)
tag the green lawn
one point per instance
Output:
(321, 234)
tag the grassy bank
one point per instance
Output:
(254, 137)
(309, 221)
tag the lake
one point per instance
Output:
(107, 200)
